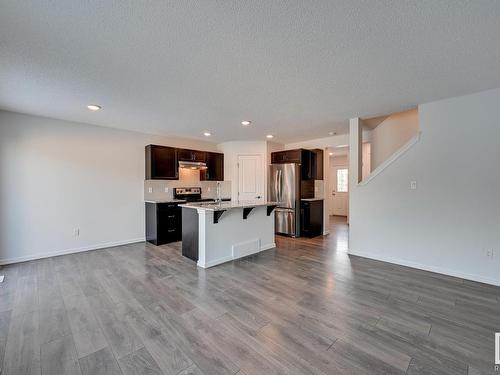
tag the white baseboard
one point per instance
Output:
(215, 262)
(424, 267)
(70, 251)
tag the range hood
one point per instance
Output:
(192, 165)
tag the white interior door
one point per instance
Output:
(340, 191)
(250, 178)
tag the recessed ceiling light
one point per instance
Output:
(246, 122)
(207, 134)
(330, 153)
(342, 146)
(94, 107)
(269, 136)
(332, 133)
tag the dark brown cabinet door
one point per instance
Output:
(318, 164)
(311, 218)
(290, 156)
(191, 155)
(200, 156)
(306, 167)
(161, 163)
(293, 156)
(215, 167)
(277, 157)
(185, 154)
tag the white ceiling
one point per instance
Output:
(297, 69)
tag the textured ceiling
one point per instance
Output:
(297, 69)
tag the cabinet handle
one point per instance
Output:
(171, 230)
(171, 216)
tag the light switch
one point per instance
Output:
(150, 190)
(413, 185)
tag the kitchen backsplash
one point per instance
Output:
(163, 189)
(319, 189)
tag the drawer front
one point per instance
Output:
(169, 223)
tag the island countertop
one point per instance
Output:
(223, 206)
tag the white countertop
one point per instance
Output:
(312, 199)
(173, 200)
(166, 201)
(226, 205)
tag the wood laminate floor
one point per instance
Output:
(305, 307)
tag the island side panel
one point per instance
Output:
(249, 236)
(190, 233)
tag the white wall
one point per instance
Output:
(57, 175)
(453, 218)
(392, 133)
(231, 151)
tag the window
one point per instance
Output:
(342, 180)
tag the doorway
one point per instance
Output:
(339, 185)
(340, 191)
(250, 177)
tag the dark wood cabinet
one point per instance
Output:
(215, 167)
(161, 163)
(289, 156)
(311, 218)
(191, 155)
(306, 165)
(163, 223)
(318, 163)
(311, 161)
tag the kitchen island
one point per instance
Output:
(214, 233)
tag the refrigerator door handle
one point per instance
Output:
(281, 186)
(278, 185)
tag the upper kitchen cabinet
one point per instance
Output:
(311, 161)
(191, 155)
(215, 167)
(289, 156)
(318, 163)
(161, 163)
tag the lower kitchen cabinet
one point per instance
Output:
(311, 218)
(163, 223)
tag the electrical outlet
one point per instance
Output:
(208, 188)
(150, 190)
(76, 232)
(413, 185)
(490, 253)
(166, 190)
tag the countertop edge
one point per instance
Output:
(228, 206)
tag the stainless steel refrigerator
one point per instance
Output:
(284, 188)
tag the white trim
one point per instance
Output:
(215, 262)
(70, 251)
(425, 267)
(231, 258)
(326, 232)
(392, 158)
